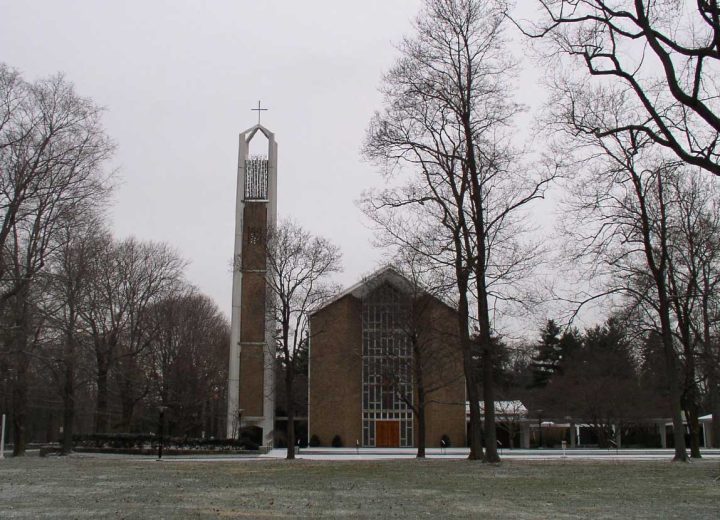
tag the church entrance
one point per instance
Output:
(387, 434)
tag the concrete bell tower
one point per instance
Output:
(251, 393)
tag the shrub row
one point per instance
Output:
(338, 443)
(139, 440)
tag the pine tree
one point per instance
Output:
(552, 352)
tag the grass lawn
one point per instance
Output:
(85, 487)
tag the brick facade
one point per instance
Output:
(445, 414)
(252, 314)
(335, 383)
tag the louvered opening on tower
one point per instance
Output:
(256, 178)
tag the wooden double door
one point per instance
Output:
(387, 434)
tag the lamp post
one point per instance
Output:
(161, 430)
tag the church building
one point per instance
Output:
(381, 354)
(377, 351)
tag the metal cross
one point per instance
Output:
(259, 110)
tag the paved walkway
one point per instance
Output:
(461, 453)
(350, 454)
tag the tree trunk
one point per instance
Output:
(692, 415)
(691, 394)
(20, 404)
(673, 383)
(68, 406)
(102, 422)
(421, 422)
(290, 430)
(127, 407)
(469, 367)
(711, 365)
(127, 403)
(476, 450)
(68, 391)
(419, 410)
(22, 364)
(204, 420)
(215, 424)
(658, 268)
(491, 452)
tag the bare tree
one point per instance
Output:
(187, 359)
(52, 148)
(660, 57)
(512, 413)
(621, 201)
(650, 78)
(151, 271)
(446, 119)
(298, 267)
(127, 278)
(694, 225)
(706, 326)
(66, 282)
(662, 208)
(684, 240)
(434, 363)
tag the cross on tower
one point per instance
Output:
(259, 110)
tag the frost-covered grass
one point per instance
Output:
(94, 487)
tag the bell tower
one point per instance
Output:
(251, 394)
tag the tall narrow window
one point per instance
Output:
(387, 375)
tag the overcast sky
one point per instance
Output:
(178, 79)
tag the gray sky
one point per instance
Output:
(178, 79)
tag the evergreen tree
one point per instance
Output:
(552, 352)
(598, 383)
(653, 377)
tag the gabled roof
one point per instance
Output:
(387, 274)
